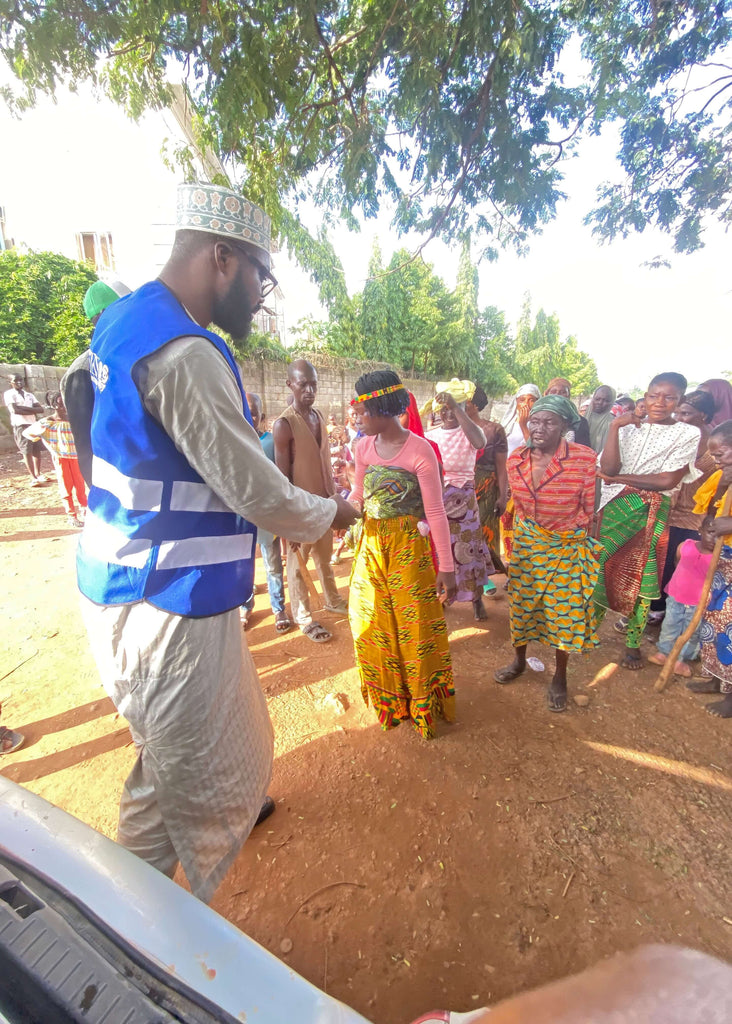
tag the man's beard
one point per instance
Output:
(233, 313)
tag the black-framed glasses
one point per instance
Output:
(268, 280)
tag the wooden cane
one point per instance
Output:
(670, 662)
(304, 572)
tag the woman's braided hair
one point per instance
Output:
(393, 404)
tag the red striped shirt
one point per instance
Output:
(565, 497)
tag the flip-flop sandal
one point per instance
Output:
(16, 738)
(283, 625)
(317, 633)
(556, 701)
(703, 685)
(506, 675)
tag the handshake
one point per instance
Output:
(346, 513)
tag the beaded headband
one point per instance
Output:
(377, 394)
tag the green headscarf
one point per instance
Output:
(561, 406)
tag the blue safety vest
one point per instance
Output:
(154, 530)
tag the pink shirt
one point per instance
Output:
(458, 455)
(416, 456)
(685, 586)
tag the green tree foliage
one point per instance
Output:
(407, 317)
(672, 102)
(259, 346)
(375, 312)
(497, 353)
(466, 331)
(459, 113)
(540, 355)
(41, 315)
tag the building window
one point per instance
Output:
(95, 247)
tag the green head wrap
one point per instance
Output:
(560, 405)
(98, 296)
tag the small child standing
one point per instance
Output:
(59, 440)
(693, 558)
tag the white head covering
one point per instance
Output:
(509, 420)
(219, 211)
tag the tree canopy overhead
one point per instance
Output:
(457, 111)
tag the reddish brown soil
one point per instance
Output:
(515, 848)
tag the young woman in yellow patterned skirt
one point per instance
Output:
(395, 608)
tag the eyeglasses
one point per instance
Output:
(267, 279)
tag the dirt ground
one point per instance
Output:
(517, 847)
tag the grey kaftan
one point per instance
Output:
(188, 687)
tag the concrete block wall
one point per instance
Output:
(335, 384)
(336, 378)
(38, 380)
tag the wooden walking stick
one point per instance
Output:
(304, 572)
(668, 667)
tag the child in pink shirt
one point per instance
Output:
(693, 558)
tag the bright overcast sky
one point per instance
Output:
(632, 320)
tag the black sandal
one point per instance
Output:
(317, 633)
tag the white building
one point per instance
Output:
(78, 177)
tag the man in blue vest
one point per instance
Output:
(179, 484)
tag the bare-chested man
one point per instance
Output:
(302, 453)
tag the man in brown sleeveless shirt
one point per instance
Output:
(302, 453)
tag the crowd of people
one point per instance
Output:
(615, 505)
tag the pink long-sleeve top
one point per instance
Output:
(416, 456)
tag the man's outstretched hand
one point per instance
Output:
(346, 513)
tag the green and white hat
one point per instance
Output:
(219, 211)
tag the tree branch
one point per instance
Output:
(713, 98)
(458, 36)
(347, 92)
(130, 48)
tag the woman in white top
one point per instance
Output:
(515, 422)
(641, 465)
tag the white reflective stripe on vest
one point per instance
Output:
(188, 496)
(193, 551)
(108, 544)
(131, 492)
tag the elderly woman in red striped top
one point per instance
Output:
(554, 564)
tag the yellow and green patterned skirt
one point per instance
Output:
(552, 577)
(399, 628)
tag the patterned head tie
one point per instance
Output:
(219, 211)
(377, 394)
